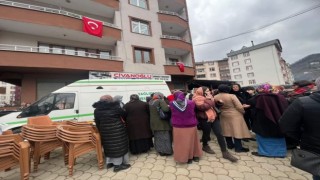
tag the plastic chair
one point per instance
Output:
(77, 141)
(13, 151)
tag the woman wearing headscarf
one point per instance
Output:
(186, 145)
(138, 125)
(114, 138)
(161, 128)
(207, 120)
(118, 98)
(233, 125)
(267, 109)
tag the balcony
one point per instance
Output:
(172, 22)
(171, 68)
(17, 58)
(172, 5)
(50, 22)
(175, 44)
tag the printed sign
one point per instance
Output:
(123, 75)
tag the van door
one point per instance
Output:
(65, 107)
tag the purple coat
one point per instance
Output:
(183, 119)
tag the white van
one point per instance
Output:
(74, 101)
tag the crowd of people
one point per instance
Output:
(278, 120)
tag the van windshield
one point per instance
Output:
(45, 105)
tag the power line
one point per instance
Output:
(262, 27)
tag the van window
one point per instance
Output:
(48, 103)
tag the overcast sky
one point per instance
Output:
(215, 19)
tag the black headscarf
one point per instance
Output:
(223, 88)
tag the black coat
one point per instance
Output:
(301, 121)
(137, 118)
(107, 117)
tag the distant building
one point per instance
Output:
(258, 64)
(307, 68)
(7, 94)
(213, 70)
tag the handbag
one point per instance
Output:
(164, 115)
(306, 161)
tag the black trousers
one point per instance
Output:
(216, 128)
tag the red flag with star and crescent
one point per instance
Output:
(92, 26)
(181, 66)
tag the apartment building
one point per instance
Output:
(213, 70)
(43, 45)
(261, 63)
(7, 94)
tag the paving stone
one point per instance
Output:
(276, 173)
(268, 166)
(143, 159)
(143, 178)
(134, 170)
(235, 174)
(216, 164)
(180, 177)
(246, 158)
(220, 171)
(170, 163)
(274, 161)
(267, 177)
(196, 178)
(206, 169)
(260, 159)
(252, 176)
(209, 176)
(193, 166)
(296, 176)
(223, 177)
(156, 175)
(138, 164)
(169, 176)
(94, 177)
(120, 175)
(131, 177)
(85, 176)
(182, 171)
(158, 168)
(150, 160)
(252, 164)
(229, 166)
(204, 162)
(259, 170)
(195, 174)
(169, 169)
(145, 172)
(244, 169)
(147, 166)
(284, 168)
(160, 162)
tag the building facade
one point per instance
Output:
(213, 70)
(7, 94)
(43, 46)
(261, 63)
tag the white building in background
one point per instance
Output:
(207, 70)
(8, 97)
(258, 64)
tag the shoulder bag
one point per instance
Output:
(306, 161)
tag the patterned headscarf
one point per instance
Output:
(264, 88)
(180, 101)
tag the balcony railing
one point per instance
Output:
(8, 47)
(173, 14)
(50, 10)
(173, 37)
(174, 63)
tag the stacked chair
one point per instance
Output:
(78, 140)
(42, 139)
(13, 151)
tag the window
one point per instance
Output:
(201, 76)
(246, 54)
(139, 26)
(250, 75)
(238, 76)
(70, 50)
(57, 49)
(81, 52)
(104, 54)
(92, 53)
(234, 57)
(44, 48)
(173, 61)
(213, 75)
(142, 55)
(240, 82)
(235, 64)
(211, 69)
(140, 3)
(252, 81)
(210, 63)
(236, 70)
(249, 68)
(200, 70)
(247, 61)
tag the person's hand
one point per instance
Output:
(246, 106)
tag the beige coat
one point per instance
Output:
(231, 117)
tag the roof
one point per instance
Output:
(275, 42)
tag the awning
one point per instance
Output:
(213, 84)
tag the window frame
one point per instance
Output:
(235, 63)
(133, 19)
(234, 70)
(147, 4)
(238, 75)
(249, 75)
(248, 68)
(151, 50)
(249, 59)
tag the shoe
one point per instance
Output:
(242, 150)
(256, 154)
(189, 161)
(118, 168)
(245, 140)
(228, 156)
(230, 146)
(259, 155)
(207, 149)
(109, 165)
(196, 159)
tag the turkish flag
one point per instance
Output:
(92, 27)
(181, 66)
